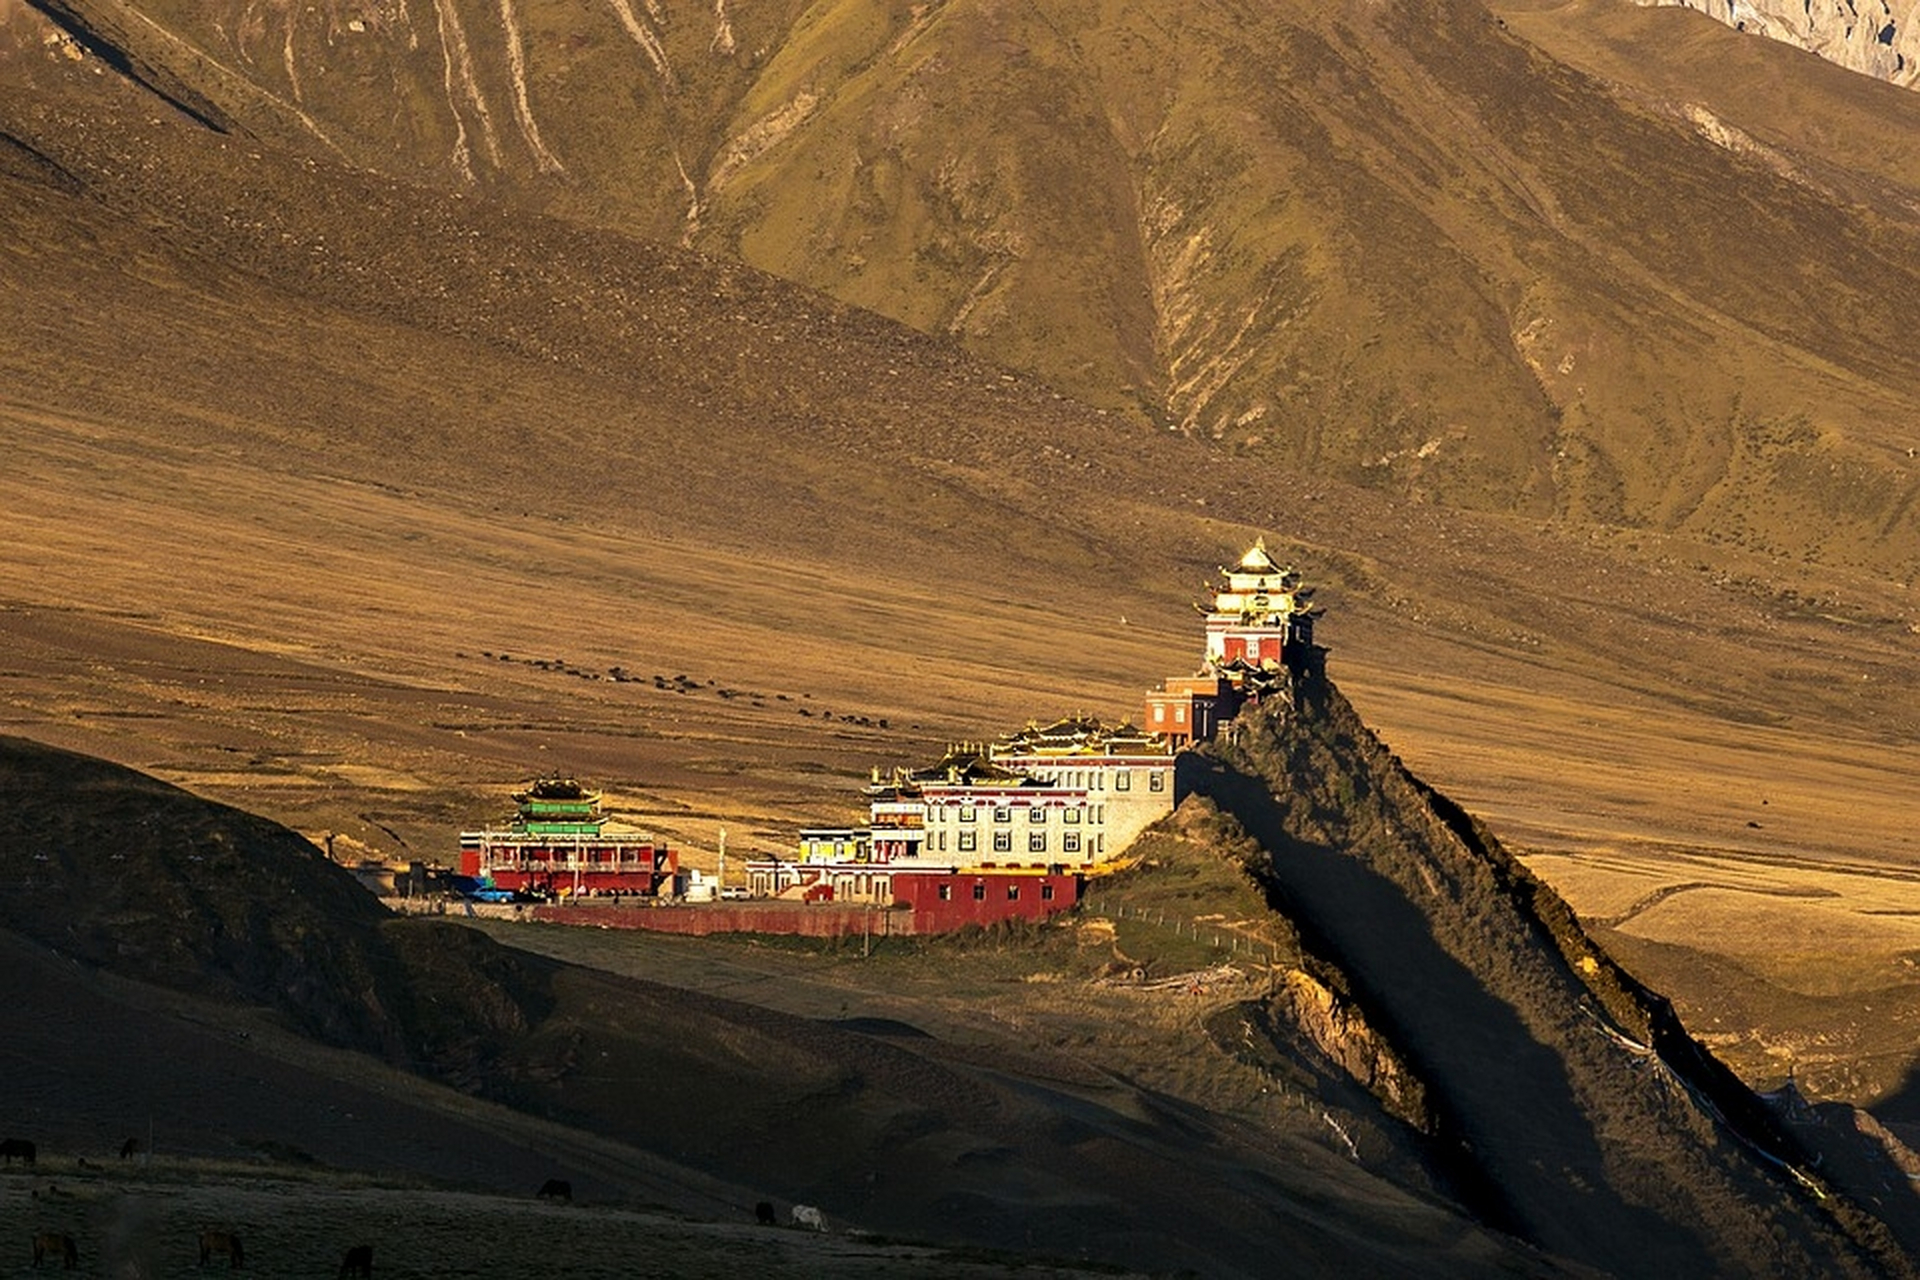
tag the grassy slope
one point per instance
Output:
(300, 1222)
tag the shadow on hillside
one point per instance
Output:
(1509, 1134)
(1901, 1108)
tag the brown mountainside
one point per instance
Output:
(355, 494)
(1400, 244)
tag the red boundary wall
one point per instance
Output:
(813, 920)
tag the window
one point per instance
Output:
(966, 813)
(1003, 814)
(1038, 813)
(1071, 815)
(1179, 715)
(966, 842)
(1046, 891)
(979, 890)
(1013, 893)
(1157, 780)
(1070, 842)
(1123, 780)
(1003, 842)
(943, 841)
(1036, 842)
(946, 893)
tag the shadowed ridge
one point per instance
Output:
(21, 159)
(1568, 1105)
(135, 876)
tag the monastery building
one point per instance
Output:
(1259, 628)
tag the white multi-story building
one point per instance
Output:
(1126, 774)
(1069, 795)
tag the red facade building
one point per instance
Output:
(946, 900)
(560, 842)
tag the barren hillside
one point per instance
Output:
(994, 1093)
(1400, 245)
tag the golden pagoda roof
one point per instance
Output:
(1257, 559)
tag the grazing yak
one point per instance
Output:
(221, 1242)
(50, 1244)
(358, 1262)
(805, 1215)
(17, 1147)
(130, 1148)
(555, 1189)
(763, 1214)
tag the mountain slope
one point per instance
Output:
(1875, 39)
(343, 498)
(1557, 1099)
(1398, 245)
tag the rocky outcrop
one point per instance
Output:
(1879, 38)
(1337, 1027)
(1563, 1101)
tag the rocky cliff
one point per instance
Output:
(1879, 38)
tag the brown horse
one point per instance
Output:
(53, 1244)
(16, 1147)
(223, 1242)
(358, 1262)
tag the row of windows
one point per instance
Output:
(968, 842)
(1096, 779)
(1013, 892)
(1036, 814)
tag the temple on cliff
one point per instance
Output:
(989, 832)
(1259, 629)
(1065, 798)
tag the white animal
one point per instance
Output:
(805, 1215)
